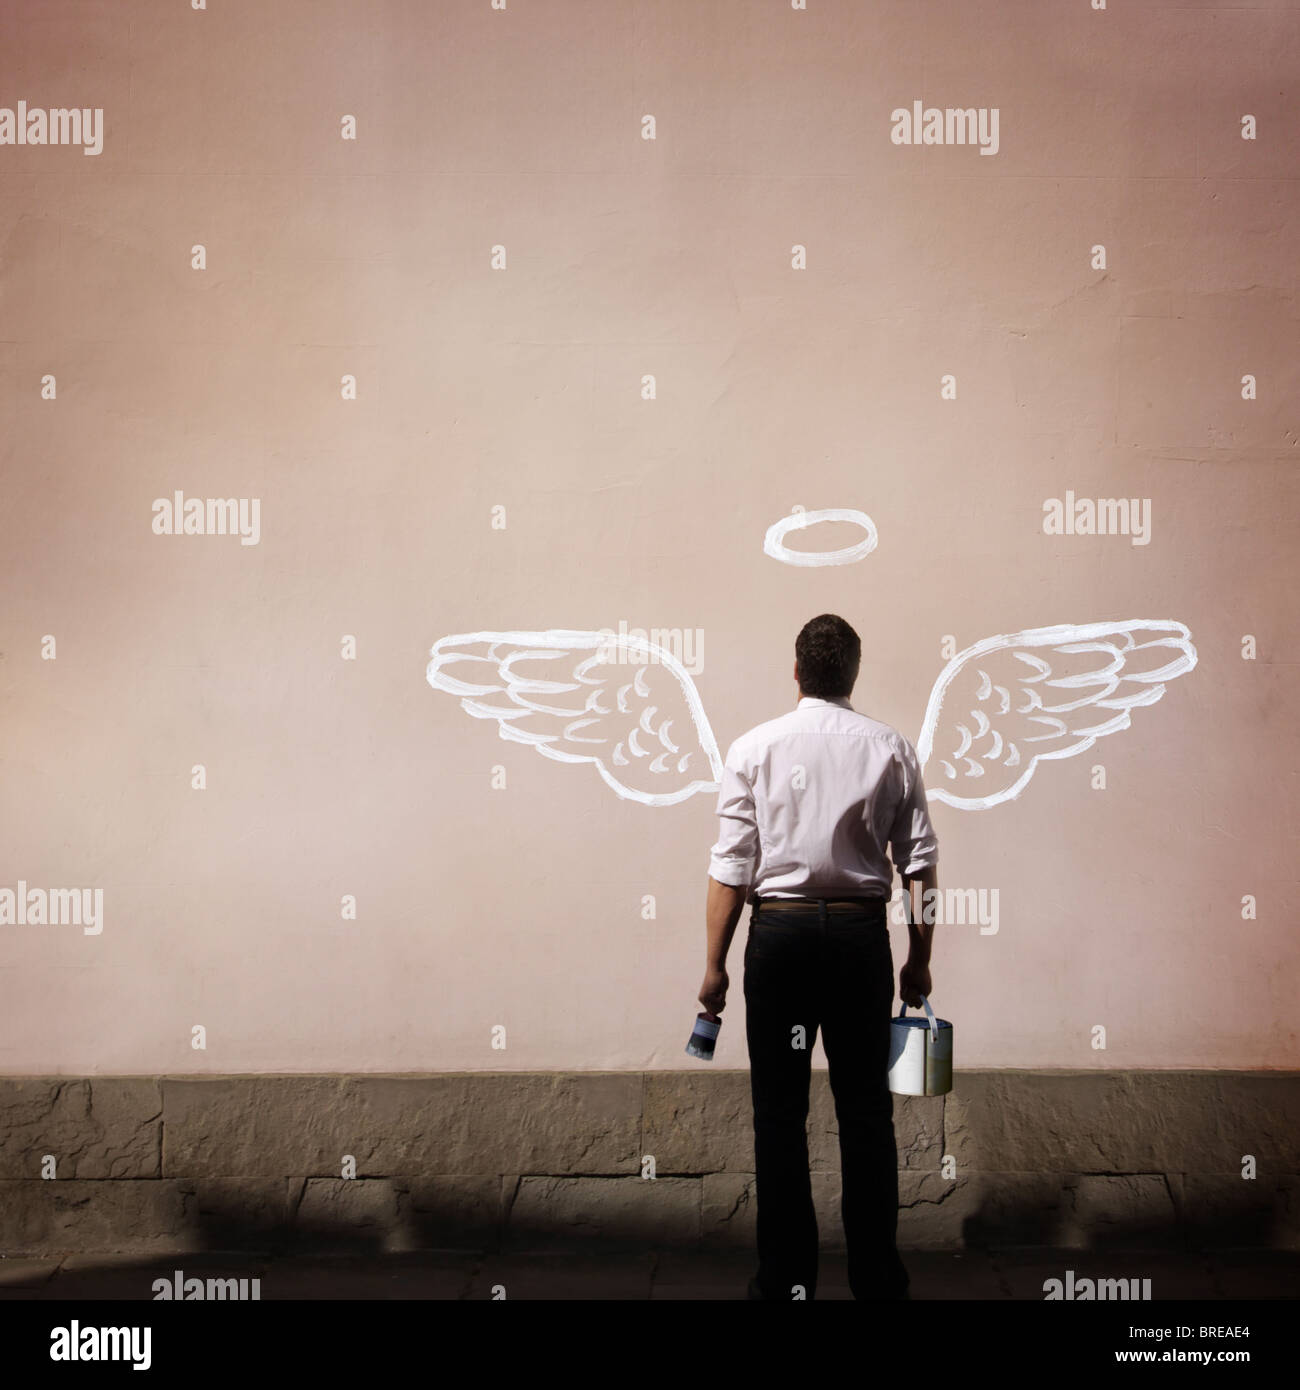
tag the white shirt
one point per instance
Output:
(809, 802)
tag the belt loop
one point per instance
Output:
(821, 913)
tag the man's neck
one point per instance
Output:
(841, 700)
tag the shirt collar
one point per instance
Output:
(811, 700)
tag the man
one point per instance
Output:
(808, 804)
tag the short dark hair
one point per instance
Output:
(829, 654)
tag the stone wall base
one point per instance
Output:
(534, 1160)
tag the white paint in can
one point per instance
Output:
(920, 1054)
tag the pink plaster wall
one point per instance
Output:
(522, 388)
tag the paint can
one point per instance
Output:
(703, 1036)
(920, 1054)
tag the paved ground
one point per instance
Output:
(992, 1274)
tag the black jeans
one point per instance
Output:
(804, 970)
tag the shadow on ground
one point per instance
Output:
(1010, 1255)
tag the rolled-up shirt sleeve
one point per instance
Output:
(912, 841)
(734, 859)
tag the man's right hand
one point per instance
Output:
(913, 982)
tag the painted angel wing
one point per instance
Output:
(1006, 704)
(620, 702)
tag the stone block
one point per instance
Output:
(1134, 1211)
(1234, 1213)
(1121, 1121)
(96, 1127)
(552, 1122)
(991, 1210)
(58, 1217)
(931, 1210)
(698, 1122)
(1254, 1113)
(728, 1208)
(457, 1124)
(245, 1213)
(357, 1215)
(918, 1131)
(453, 1212)
(269, 1126)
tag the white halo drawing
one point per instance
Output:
(775, 546)
(997, 710)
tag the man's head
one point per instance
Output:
(827, 654)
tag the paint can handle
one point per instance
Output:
(929, 1013)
